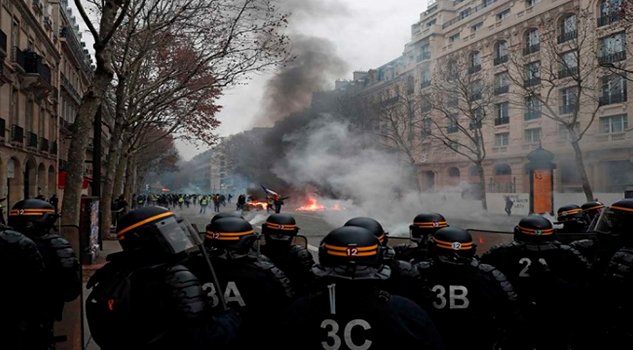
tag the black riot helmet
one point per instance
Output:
(32, 217)
(370, 224)
(570, 212)
(351, 253)
(616, 220)
(155, 231)
(230, 234)
(592, 210)
(426, 224)
(453, 245)
(534, 229)
(225, 214)
(280, 229)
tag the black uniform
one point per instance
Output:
(144, 298)
(465, 296)
(550, 280)
(21, 273)
(349, 309)
(35, 218)
(253, 286)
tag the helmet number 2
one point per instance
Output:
(457, 297)
(347, 334)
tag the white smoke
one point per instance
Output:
(369, 181)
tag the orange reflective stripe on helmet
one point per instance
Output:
(621, 208)
(143, 222)
(453, 245)
(536, 232)
(30, 212)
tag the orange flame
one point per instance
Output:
(312, 204)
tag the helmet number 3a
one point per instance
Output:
(352, 251)
(334, 341)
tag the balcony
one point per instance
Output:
(567, 109)
(608, 19)
(17, 134)
(44, 144)
(502, 120)
(611, 58)
(53, 149)
(502, 89)
(390, 101)
(531, 82)
(31, 139)
(531, 49)
(37, 75)
(531, 115)
(474, 69)
(567, 36)
(501, 59)
(611, 99)
(3, 125)
(567, 72)
(65, 126)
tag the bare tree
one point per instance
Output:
(397, 120)
(460, 102)
(555, 74)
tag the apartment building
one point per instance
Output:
(508, 45)
(41, 59)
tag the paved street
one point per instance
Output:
(314, 228)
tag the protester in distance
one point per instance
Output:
(348, 309)
(423, 227)
(550, 280)
(249, 283)
(294, 260)
(145, 298)
(462, 294)
(36, 219)
(22, 272)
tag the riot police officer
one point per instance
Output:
(250, 284)
(22, 274)
(549, 278)
(404, 279)
(460, 293)
(36, 218)
(349, 310)
(592, 211)
(294, 260)
(572, 218)
(423, 227)
(145, 298)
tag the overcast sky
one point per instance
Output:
(364, 33)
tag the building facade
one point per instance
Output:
(533, 57)
(41, 59)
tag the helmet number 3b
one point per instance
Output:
(457, 297)
(334, 340)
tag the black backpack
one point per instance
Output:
(109, 306)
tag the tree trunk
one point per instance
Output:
(82, 128)
(130, 177)
(482, 185)
(580, 166)
(119, 174)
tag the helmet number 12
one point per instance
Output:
(335, 342)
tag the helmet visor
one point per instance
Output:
(614, 221)
(176, 235)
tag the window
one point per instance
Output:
(425, 78)
(28, 114)
(465, 13)
(501, 52)
(613, 89)
(612, 48)
(569, 64)
(426, 126)
(532, 135)
(425, 52)
(610, 11)
(532, 73)
(532, 108)
(502, 139)
(503, 14)
(477, 27)
(452, 126)
(569, 24)
(475, 90)
(501, 83)
(532, 41)
(431, 22)
(614, 124)
(478, 116)
(568, 97)
(502, 113)
(453, 38)
(475, 62)
(532, 2)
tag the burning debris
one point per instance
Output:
(312, 204)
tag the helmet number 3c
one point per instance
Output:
(334, 341)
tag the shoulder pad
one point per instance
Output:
(278, 275)
(25, 246)
(303, 255)
(424, 265)
(576, 253)
(498, 277)
(186, 291)
(583, 244)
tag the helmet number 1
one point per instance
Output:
(332, 334)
